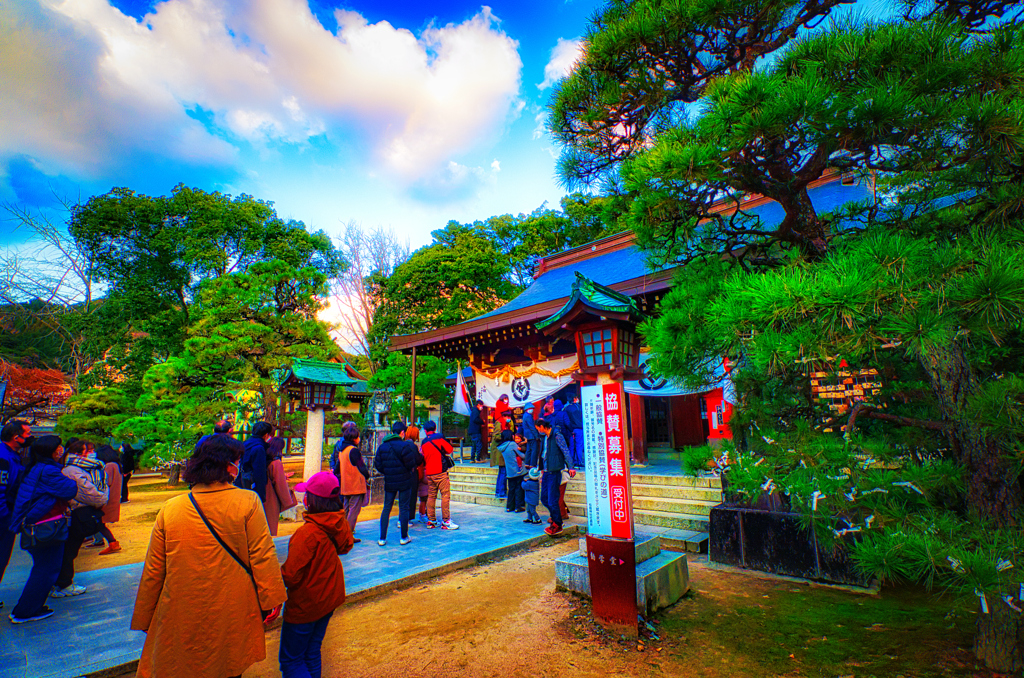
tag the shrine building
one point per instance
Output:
(580, 314)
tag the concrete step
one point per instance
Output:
(663, 456)
(640, 502)
(637, 476)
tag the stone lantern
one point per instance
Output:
(314, 384)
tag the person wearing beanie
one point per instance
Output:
(531, 491)
(396, 459)
(313, 575)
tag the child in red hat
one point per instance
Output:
(313, 575)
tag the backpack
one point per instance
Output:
(245, 479)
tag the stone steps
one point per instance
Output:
(674, 503)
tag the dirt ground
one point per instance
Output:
(506, 619)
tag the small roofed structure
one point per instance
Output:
(602, 323)
(314, 385)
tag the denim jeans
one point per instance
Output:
(403, 510)
(549, 494)
(46, 562)
(576, 446)
(300, 648)
(531, 512)
(499, 487)
(475, 442)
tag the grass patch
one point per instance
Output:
(740, 626)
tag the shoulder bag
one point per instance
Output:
(447, 462)
(248, 570)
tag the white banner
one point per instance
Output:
(659, 387)
(524, 383)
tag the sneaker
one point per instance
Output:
(404, 541)
(42, 614)
(382, 542)
(114, 547)
(553, 530)
(448, 525)
(73, 590)
(94, 544)
(431, 524)
(528, 520)
(423, 519)
(510, 510)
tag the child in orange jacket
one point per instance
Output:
(314, 576)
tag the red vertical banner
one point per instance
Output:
(619, 493)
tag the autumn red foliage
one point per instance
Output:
(31, 392)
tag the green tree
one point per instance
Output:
(94, 414)
(922, 283)
(245, 328)
(459, 276)
(155, 252)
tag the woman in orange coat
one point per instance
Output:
(202, 612)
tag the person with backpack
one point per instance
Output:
(253, 473)
(314, 576)
(40, 509)
(436, 454)
(86, 511)
(352, 473)
(396, 459)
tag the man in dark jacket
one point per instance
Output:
(395, 459)
(554, 458)
(574, 414)
(253, 473)
(530, 435)
(476, 426)
(13, 439)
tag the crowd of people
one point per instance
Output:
(536, 456)
(211, 579)
(56, 496)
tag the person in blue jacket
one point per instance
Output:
(14, 437)
(574, 415)
(43, 495)
(254, 460)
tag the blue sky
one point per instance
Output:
(401, 114)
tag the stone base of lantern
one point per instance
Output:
(661, 578)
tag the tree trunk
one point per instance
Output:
(174, 477)
(998, 637)
(993, 490)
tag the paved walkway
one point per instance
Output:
(90, 633)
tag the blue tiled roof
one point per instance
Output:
(607, 269)
(629, 263)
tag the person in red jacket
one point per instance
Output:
(313, 575)
(433, 450)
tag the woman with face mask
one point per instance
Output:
(211, 576)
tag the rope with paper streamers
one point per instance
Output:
(508, 373)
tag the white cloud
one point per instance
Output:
(496, 166)
(261, 71)
(563, 57)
